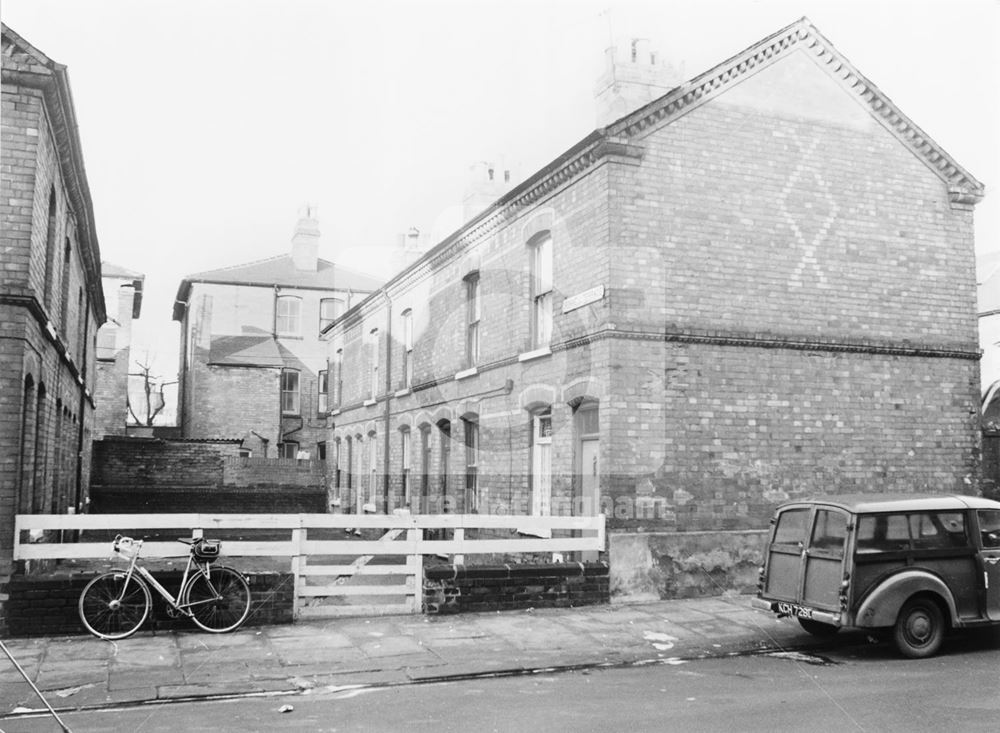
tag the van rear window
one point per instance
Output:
(791, 529)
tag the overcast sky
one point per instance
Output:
(207, 124)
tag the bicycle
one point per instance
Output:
(114, 605)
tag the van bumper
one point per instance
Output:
(826, 617)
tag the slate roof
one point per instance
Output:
(280, 271)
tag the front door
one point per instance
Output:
(590, 487)
(989, 532)
(590, 472)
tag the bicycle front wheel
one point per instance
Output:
(114, 605)
(218, 600)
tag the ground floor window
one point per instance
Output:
(541, 462)
(288, 450)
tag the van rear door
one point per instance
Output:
(784, 556)
(823, 559)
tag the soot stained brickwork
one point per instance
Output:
(757, 287)
(51, 302)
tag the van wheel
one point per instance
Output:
(818, 628)
(919, 629)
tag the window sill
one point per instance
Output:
(402, 392)
(536, 354)
(369, 403)
(466, 373)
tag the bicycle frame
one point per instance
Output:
(175, 603)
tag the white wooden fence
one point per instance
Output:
(333, 577)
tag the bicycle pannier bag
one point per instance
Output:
(207, 550)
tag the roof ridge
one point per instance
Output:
(235, 267)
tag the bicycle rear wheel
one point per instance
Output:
(219, 600)
(114, 605)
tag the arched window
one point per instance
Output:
(288, 315)
(541, 290)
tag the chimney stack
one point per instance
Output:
(305, 241)
(486, 182)
(635, 74)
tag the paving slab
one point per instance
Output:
(85, 672)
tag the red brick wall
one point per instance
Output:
(789, 309)
(47, 324)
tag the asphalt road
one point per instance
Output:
(849, 688)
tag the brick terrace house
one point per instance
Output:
(123, 298)
(758, 285)
(253, 366)
(51, 302)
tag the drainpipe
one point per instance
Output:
(78, 503)
(388, 398)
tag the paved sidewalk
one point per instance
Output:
(82, 672)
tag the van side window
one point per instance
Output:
(935, 530)
(883, 533)
(829, 532)
(989, 527)
(791, 529)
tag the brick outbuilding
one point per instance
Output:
(756, 286)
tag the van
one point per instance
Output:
(910, 565)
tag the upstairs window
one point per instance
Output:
(373, 341)
(330, 309)
(322, 387)
(541, 292)
(472, 312)
(338, 385)
(289, 392)
(288, 315)
(407, 318)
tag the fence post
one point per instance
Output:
(415, 567)
(458, 536)
(298, 567)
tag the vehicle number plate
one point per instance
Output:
(790, 609)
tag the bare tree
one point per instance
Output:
(152, 395)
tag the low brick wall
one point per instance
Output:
(46, 606)
(651, 565)
(148, 475)
(463, 588)
(207, 499)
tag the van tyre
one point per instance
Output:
(818, 628)
(919, 628)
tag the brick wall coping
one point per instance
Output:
(512, 570)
